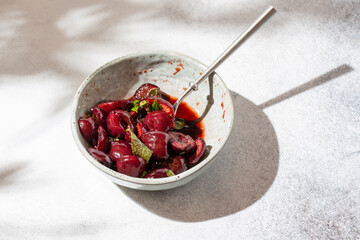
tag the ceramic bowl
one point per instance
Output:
(172, 72)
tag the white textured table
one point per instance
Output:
(289, 171)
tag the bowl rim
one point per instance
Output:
(144, 181)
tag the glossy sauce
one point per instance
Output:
(194, 126)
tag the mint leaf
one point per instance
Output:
(153, 92)
(155, 106)
(169, 173)
(143, 174)
(143, 104)
(179, 123)
(138, 148)
(135, 107)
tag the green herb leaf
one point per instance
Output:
(153, 92)
(155, 106)
(138, 148)
(169, 173)
(143, 174)
(143, 104)
(179, 123)
(135, 107)
(92, 115)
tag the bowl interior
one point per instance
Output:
(172, 72)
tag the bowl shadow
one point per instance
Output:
(242, 173)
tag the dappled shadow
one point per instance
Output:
(11, 173)
(242, 173)
(335, 73)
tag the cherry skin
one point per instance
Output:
(141, 128)
(101, 157)
(119, 149)
(177, 164)
(102, 143)
(88, 129)
(131, 165)
(100, 115)
(181, 143)
(158, 121)
(117, 121)
(158, 143)
(146, 90)
(158, 173)
(199, 153)
(165, 106)
(109, 106)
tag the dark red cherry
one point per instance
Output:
(158, 121)
(131, 165)
(119, 149)
(199, 153)
(88, 129)
(146, 90)
(109, 106)
(102, 143)
(101, 157)
(134, 115)
(128, 137)
(118, 121)
(177, 164)
(165, 106)
(100, 116)
(181, 143)
(159, 173)
(141, 128)
(158, 143)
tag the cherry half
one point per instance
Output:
(109, 106)
(88, 129)
(159, 173)
(199, 153)
(158, 143)
(181, 143)
(118, 121)
(131, 165)
(100, 115)
(146, 90)
(158, 121)
(119, 149)
(101, 157)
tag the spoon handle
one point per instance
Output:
(231, 49)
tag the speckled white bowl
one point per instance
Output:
(121, 77)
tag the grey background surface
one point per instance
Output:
(289, 171)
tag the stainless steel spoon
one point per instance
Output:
(232, 48)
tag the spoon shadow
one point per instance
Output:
(242, 173)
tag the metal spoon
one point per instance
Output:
(232, 48)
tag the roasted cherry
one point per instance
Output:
(158, 143)
(88, 128)
(199, 153)
(158, 121)
(118, 121)
(102, 143)
(181, 143)
(100, 115)
(101, 157)
(114, 105)
(119, 149)
(131, 165)
(146, 90)
(159, 173)
(177, 164)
